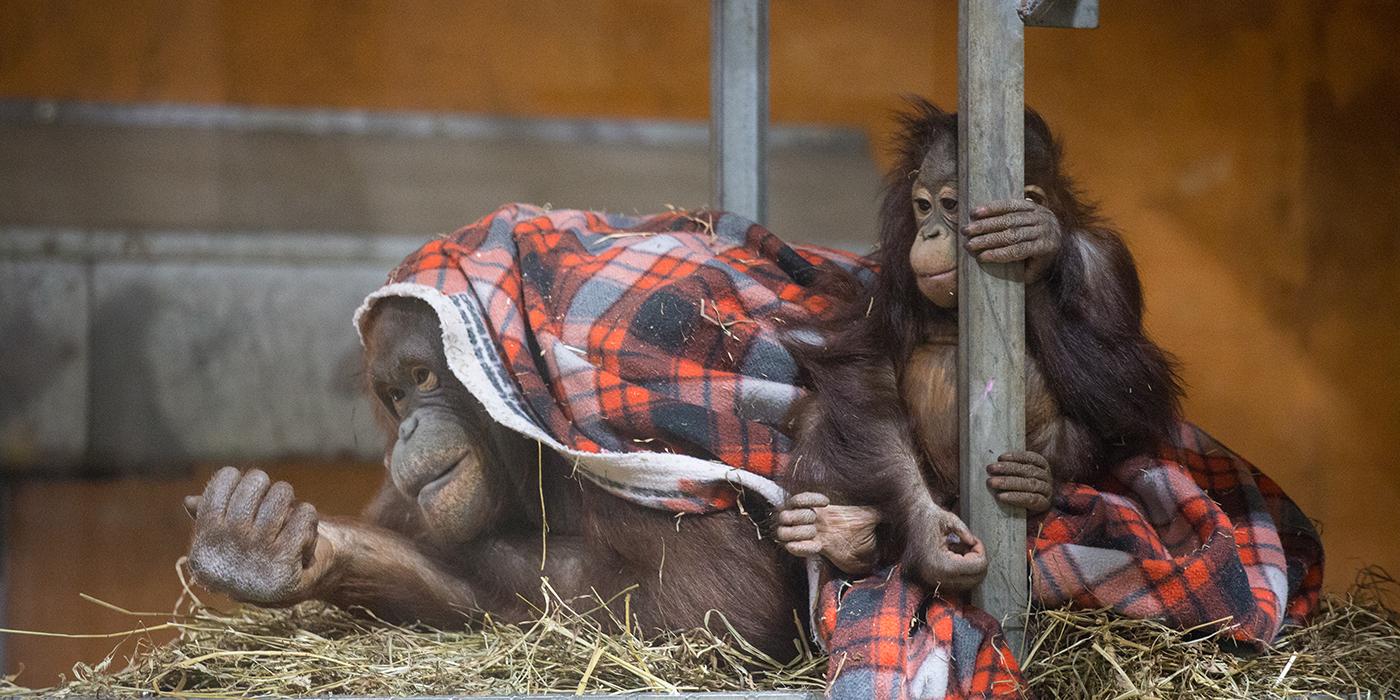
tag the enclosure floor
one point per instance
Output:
(118, 540)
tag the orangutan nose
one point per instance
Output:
(408, 425)
(431, 442)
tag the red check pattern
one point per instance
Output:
(653, 337)
(637, 334)
(1191, 536)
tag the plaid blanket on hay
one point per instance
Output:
(645, 348)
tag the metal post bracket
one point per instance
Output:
(1062, 14)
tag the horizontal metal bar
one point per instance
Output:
(276, 247)
(400, 124)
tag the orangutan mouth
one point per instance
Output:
(940, 275)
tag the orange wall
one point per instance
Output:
(1249, 151)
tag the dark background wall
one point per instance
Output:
(1249, 151)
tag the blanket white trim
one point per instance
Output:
(641, 477)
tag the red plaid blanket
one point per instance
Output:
(1192, 536)
(646, 348)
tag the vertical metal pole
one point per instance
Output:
(991, 298)
(5, 486)
(739, 106)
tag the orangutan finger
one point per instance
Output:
(1010, 254)
(797, 516)
(1002, 239)
(247, 496)
(1000, 207)
(192, 505)
(216, 494)
(275, 508)
(1032, 503)
(807, 499)
(1014, 470)
(300, 531)
(797, 532)
(1028, 471)
(1007, 222)
(1018, 484)
(959, 566)
(954, 529)
(1026, 457)
(803, 548)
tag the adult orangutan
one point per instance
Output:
(456, 527)
(879, 435)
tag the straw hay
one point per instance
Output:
(1352, 646)
(315, 649)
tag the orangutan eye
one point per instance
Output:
(424, 378)
(389, 396)
(949, 204)
(923, 205)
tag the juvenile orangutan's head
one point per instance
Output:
(921, 209)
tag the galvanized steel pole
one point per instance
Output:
(5, 488)
(739, 106)
(991, 298)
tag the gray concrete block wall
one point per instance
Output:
(177, 283)
(227, 361)
(143, 352)
(43, 361)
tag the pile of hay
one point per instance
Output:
(315, 649)
(1352, 647)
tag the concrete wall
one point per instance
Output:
(176, 283)
(1248, 150)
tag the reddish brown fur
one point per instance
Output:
(395, 562)
(599, 542)
(880, 426)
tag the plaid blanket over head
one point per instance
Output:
(646, 349)
(1191, 536)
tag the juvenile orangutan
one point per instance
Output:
(878, 436)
